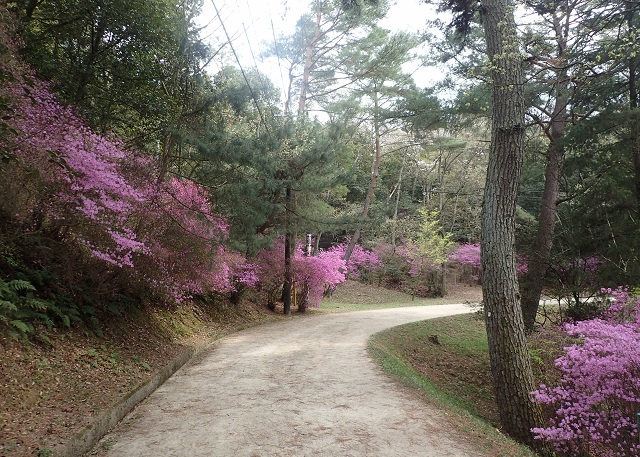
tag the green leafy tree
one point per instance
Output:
(376, 67)
(600, 173)
(136, 68)
(433, 242)
(312, 54)
(432, 249)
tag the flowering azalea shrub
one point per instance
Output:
(319, 273)
(418, 264)
(313, 275)
(623, 306)
(395, 265)
(270, 270)
(362, 262)
(597, 397)
(104, 226)
(406, 268)
(70, 177)
(467, 255)
(183, 236)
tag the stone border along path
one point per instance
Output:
(300, 387)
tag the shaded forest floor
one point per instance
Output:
(51, 389)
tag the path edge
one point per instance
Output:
(84, 441)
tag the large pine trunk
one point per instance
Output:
(510, 362)
(541, 256)
(634, 108)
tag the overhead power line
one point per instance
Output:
(244, 74)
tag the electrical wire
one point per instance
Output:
(244, 74)
(277, 49)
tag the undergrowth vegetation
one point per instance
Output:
(592, 391)
(447, 360)
(587, 371)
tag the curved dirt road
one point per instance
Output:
(301, 387)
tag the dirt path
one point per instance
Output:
(303, 387)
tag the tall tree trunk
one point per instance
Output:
(509, 356)
(540, 257)
(633, 65)
(440, 177)
(306, 75)
(168, 147)
(288, 267)
(375, 172)
(396, 205)
(289, 238)
(87, 68)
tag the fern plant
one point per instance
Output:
(19, 309)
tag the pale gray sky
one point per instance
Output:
(249, 23)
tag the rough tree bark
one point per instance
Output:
(510, 362)
(288, 254)
(555, 130)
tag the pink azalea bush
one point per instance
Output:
(93, 195)
(598, 394)
(468, 256)
(313, 274)
(270, 270)
(78, 178)
(406, 268)
(319, 273)
(405, 257)
(411, 253)
(394, 264)
(184, 238)
(361, 261)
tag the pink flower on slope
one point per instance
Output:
(467, 254)
(599, 392)
(166, 236)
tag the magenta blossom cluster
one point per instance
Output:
(624, 307)
(314, 274)
(78, 171)
(598, 395)
(360, 261)
(319, 272)
(90, 191)
(468, 255)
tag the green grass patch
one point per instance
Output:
(356, 296)
(446, 359)
(329, 306)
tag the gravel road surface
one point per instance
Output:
(300, 387)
